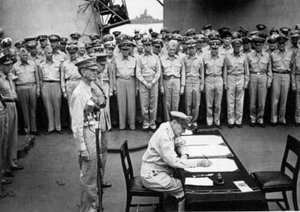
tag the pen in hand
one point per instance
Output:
(209, 162)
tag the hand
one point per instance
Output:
(204, 163)
(38, 93)
(244, 87)
(181, 90)
(162, 90)
(294, 88)
(111, 93)
(149, 85)
(226, 87)
(184, 156)
(84, 155)
(201, 88)
(65, 94)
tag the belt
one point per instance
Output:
(259, 72)
(29, 83)
(281, 72)
(50, 81)
(165, 77)
(125, 77)
(8, 100)
(297, 74)
(213, 75)
(235, 74)
(195, 77)
(74, 80)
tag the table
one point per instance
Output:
(227, 196)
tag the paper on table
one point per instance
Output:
(218, 165)
(200, 181)
(242, 186)
(209, 151)
(187, 132)
(197, 140)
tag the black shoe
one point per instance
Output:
(17, 168)
(239, 125)
(8, 174)
(219, 126)
(49, 132)
(6, 181)
(36, 133)
(59, 132)
(283, 124)
(261, 125)
(230, 126)
(252, 124)
(106, 184)
(273, 124)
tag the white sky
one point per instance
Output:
(137, 7)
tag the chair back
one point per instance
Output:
(126, 164)
(292, 145)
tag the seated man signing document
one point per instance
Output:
(167, 150)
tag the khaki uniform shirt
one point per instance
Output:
(281, 61)
(260, 63)
(214, 66)
(173, 67)
(25, 71)
(50, 71)
(148, 68)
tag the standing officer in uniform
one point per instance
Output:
(28, 89)
(75, 36)
(31, 46)
(214, 67)
(50, 75)
(236, 78)
(194, 82)
(281, 60)
(172, 80)
(148, 71)
(84, 104)
(260, 80)
(166, 151)
(125, 85)
(295, 75)
(63, 44)
(55, 45)
(9, 96)
(43, 39)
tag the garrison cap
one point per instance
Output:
(75, 35)
(190, 32)
(88, 45)
(116, 33)
(274, 31)
(72, 47)
(257, 39)
(157, 42)
(63, 40)
(260, 27)
(147, 40)
(19, 43)
(88, 63)
(94, 36)
(243, 31)
(154, 35)
(285, 30)
(190, 43)
(281, 39)
(109, 45)
(272, 38)
(182, 119)
(107, 37)
(5, 59)
(42, 37)
(246, 40)
(207, 26)
(53, 38)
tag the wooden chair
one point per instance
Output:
(133, 183)
(280, 181)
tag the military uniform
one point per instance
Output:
(281, 68)
(295, 75)
(172, 82)
(51, 92)
(28, 88)
(236, 78)
(148, 72)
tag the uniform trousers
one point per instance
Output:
(88, 173)
(258, 93)
(126, 91)
(192, 97)
(158, 178)
(51, 93)
(12, 136)
(171, 96)
(105, 87)
(280, 89)
(297, 109)
(235, 98)
(213, 96)
(3, 141)
(27, 97)
(148, 99)
(103, 150)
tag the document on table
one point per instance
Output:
(187, 132)
(242, 186)
(218, 165)
(200, 181)
(209, 151)
(198, 140)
